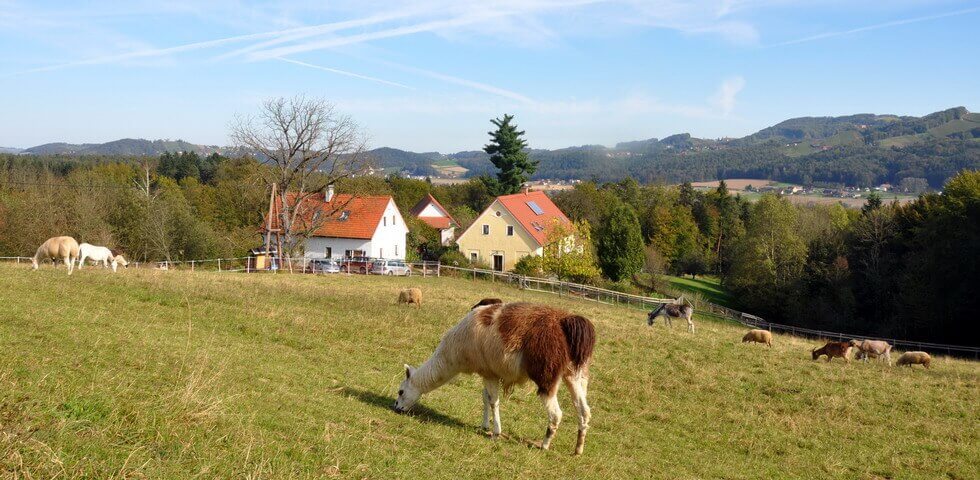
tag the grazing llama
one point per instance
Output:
(507, 344)
(98, 255)
(679, 309)
(57, 248)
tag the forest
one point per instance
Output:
(901, 271)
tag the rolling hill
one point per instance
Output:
(852, 150)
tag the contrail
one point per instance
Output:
(364, 37)
(877, 26)
(299, 32)
(461, 81)
(344, 72)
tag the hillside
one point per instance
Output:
(122, 147)
(854, 150)
(177, 375)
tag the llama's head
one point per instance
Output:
(408, 393)
(654, 313)
(34, 262)
(814, 353)
(120, 260)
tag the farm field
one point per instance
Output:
(708, 287)
(149, 374)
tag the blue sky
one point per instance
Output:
(429, 75)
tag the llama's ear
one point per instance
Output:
(408, 371)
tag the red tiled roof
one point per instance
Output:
(362, 219)
(434, 222)
(538, 225)
(438, 223)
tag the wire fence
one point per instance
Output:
(252, 264)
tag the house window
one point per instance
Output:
(381, 253)
(486, 229)
(396, 249)
(474, 257)
(344, 215)
(328, 252)
(393, 223)
(510, 230)
(384, 222)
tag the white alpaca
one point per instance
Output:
(57, 248)
(508, 345)
(98, 254)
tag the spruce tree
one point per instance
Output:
(506, 150)
(620, 244)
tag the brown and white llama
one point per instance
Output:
(506, 345)
(57, 248)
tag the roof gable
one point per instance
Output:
(537, 225)
(444, 221)
(347, 216)
(535, 212)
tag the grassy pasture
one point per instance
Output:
(709, 287)
(147, 374)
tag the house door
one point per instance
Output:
(498, 262)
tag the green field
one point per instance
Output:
(148, 374)
(709, 288)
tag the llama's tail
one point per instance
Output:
(580, 338)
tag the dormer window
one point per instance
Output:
(344, 215)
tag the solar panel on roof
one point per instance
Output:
(535, 208)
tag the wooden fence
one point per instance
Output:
(557, 287)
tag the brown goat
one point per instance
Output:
(835, 349)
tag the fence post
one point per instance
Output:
(192, 265)
(219, 264)
(248, 264)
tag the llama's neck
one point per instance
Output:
(435, 372)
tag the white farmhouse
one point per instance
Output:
(352, 226)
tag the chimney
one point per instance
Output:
(526, 188)
(328, 195)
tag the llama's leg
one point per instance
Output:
(486, 410)
(554, 415)
(690, 324)
(578, 386)
(491, 399)
(81, 261)
(69, 263)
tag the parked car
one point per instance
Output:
(391, 267)
(323, 265)
(356, 264)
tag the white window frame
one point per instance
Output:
(486, 229)
(510, 230)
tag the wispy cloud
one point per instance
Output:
(345, 73)
(724, 98)
(878, 26)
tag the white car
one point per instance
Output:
(391, 267)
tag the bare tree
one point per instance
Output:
(309, 145)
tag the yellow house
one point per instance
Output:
(513, 226)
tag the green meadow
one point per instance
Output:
(149, 374)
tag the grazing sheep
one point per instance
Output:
(411, 295)
(487, 301)
(874, 349)
(914, 358)
(835, 349)
(758, 336)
